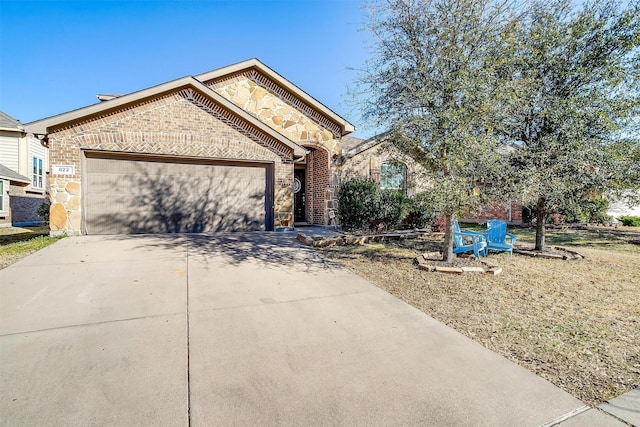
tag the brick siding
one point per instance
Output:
(317, 186)
(497, 211)
(25, 208)
(177, 124)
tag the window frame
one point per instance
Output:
(37, 173)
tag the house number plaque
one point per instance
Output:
(63, 170)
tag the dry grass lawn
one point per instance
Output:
(575, 323)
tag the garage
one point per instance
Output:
(128, 194)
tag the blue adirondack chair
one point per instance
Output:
(497, 237)
(467, 241)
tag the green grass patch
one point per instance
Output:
(630, 221)
(15, 251)
(17, 234)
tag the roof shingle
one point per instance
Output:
(8, 122)
(7, 173)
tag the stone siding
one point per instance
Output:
(283, 195)
(182, 123)
(268, 102)
(262, 101)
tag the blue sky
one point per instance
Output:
(55, 56)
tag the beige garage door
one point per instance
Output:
(128, 195)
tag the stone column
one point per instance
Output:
(65, 213)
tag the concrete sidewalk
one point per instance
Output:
(239, 329)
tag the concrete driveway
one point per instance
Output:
(237, 329)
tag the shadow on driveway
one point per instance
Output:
(271, 250)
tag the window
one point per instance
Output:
(393, 176)
(37, 173)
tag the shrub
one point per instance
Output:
(361, 205)
(358, 203)
(421, 211)
(390, 209)
(590, 209)
(43, 211)
(597, 209)
(630, 221)
(439, 224)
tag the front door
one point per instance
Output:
(299, 206)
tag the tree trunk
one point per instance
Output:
(541, 216)
(447, 246)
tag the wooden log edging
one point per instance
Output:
(349, 239)
(425, 264)
(570, 254)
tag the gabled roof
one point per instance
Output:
(286, 84)
(8, 123)
(7, 173)
(357, 147)
(350, 142)
(46, 125)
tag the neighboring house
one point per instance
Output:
(375, 158)
(238, 148)
(23, 167)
